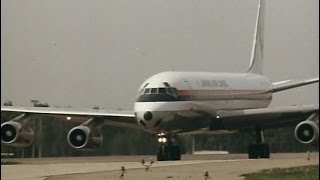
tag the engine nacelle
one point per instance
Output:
(82, 138)
(15, 134)
(307, 132)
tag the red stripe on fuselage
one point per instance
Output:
(184, 92)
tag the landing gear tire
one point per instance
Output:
(253, 151)
(169, 153)
(256, 151)
(260, 149)
(264, 151)
(175, 153)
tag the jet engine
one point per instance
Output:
(83, 138)
(16, 134)
(307, 132)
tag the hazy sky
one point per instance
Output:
(83, 53)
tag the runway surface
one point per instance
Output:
(191, 167)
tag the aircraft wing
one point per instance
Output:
(116, 118)
(265, 118)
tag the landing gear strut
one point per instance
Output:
(260, 149)
(168, 149)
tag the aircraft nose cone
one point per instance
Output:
(147, 116)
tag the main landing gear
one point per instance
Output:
(260, 149)
(169, 150)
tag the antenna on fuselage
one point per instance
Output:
(256, 61)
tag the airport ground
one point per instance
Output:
(228, 166)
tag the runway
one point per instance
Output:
(191, 167)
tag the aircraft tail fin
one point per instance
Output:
(256, 61)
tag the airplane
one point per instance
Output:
(172, 103)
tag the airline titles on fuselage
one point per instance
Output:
(213, 83)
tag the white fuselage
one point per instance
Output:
(173, 96)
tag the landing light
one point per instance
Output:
(162, 140)
(217, 117)
(68, 118)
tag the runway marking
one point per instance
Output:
(41, 171)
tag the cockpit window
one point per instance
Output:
(175, 91)
(154, 90)
(162, 90)
(169, 91)
(158, 94)
(147, 91)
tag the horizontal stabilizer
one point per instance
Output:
(288, 84)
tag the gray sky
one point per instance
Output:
(97, 53)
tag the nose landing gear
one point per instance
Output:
(169, 150)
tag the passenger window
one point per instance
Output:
(147, 91)
(154, 90)
(162, 90)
